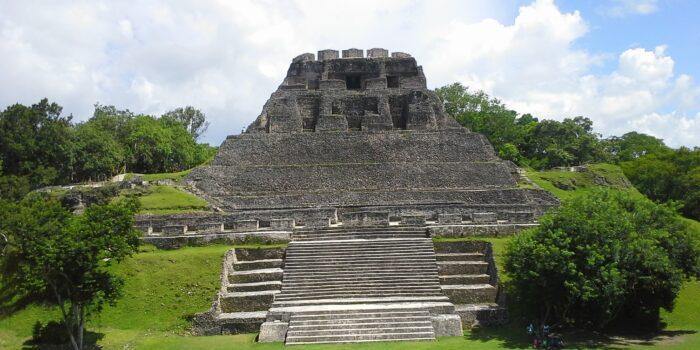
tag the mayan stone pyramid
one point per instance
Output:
(360, 133)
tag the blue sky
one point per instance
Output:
(626, 64)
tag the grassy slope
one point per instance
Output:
(167, 200)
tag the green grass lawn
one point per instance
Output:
(168, 200)
(176, 177)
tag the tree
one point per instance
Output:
(52, 255)
(633, 145)
(601, 258)
(35, 142)
(98, 154)
(192, 118)
(668, 175)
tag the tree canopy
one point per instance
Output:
(39, 147)
(602, 258)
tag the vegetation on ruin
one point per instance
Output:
(169, 200)
(40, 147)
(566, 184)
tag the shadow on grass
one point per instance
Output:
(53, 336)
(513, 336)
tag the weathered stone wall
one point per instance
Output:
(297, 149)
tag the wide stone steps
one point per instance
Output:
(359, 326)
(255, 286)
(257, 264)
(459, 256)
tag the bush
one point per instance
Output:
(600, 259)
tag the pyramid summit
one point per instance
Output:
(356, 133)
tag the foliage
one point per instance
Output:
(602, 258)
(633, 145)
(64, 259)
(192, 118)
(671, 175)
(39, 148)
(523, 139)
(567, 184)
(34, 145)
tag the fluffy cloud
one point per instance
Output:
(227, 57)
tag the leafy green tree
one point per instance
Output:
(672, 175)
(633, 145)
(49, 254)
(192, 118)
(601, 258)
(35, 142)
(98, 154)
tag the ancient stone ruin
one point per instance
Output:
(355, 164)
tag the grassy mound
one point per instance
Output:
(565, 184)
(169, 200)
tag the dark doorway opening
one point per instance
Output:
(353, 82)
(392, 81)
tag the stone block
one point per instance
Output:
(449, 325)
(331, 84)
(400, 55)
(174, 229)
(483, 218)
(353, 53)
(482, 315)
(244, 225)
(365, 218)
(517, 216)
(377, 53)
(246, 301)
(206, 227)
(317, 222)
(375, 83)
(327, 55)
(331, 122)
(413, 220)
(282, 224)
(273, 331)
(448, 219)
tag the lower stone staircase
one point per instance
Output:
(345, 326)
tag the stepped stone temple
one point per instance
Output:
(354, 164)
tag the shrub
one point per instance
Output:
(602, 258)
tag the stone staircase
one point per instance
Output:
(359, 271)
(358, 290)
(468, 277)
(343, 233)
(345, 326)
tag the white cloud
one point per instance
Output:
(227, 57)
(622, 8)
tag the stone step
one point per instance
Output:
(390, 305)
(257, 264)
(361, 249)
(352, 294)
(465, 279)
(260, 275)
(344, 269)
(427, 336)
(388, 242)
(338, 326)
(359, 279)
(459, 256)
(369, 258)
(376, 287)
(247, 301)
(359, 229)
(470, 293)
(416, 327)
(358, 300)
(302, 238)
(359, 323)
(354, 274)
(255, 286)
(408, 283)
(364, 314)
(485, 314)
(462, 267)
